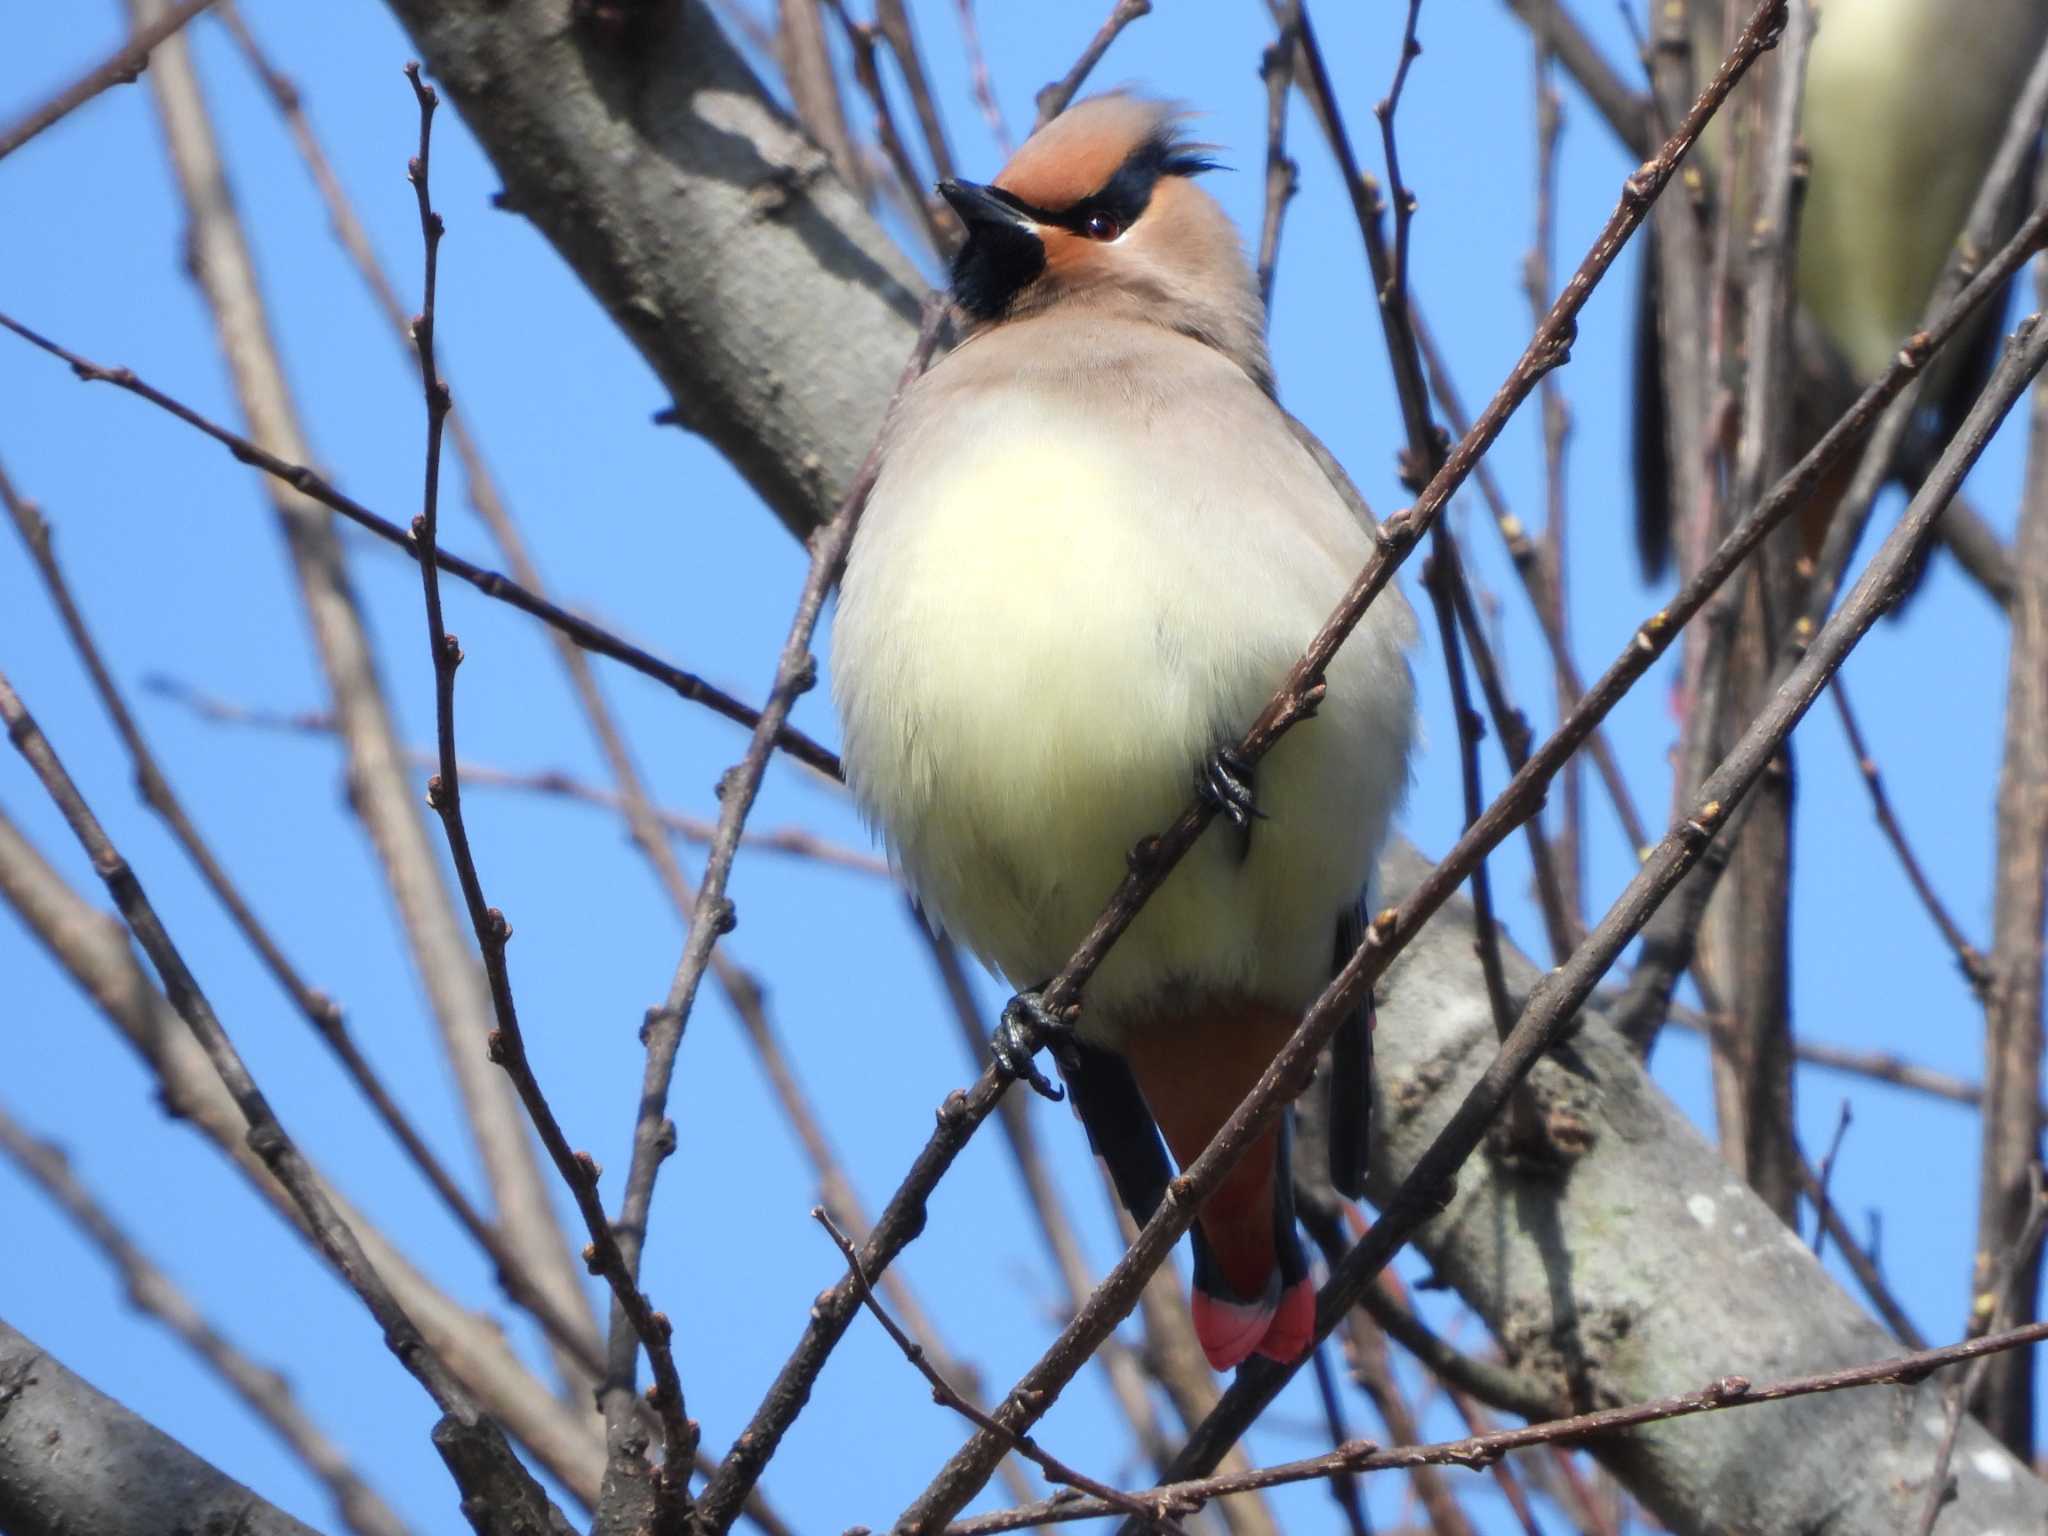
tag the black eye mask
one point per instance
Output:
(1001, 259)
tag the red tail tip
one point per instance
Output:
(1229, 1330)
(1279, 1328)
(1293, 1328)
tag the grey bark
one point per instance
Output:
(773, 308)
(778, 313)
(1643, 1266)
(74, 1460)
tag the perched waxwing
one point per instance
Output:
(1906, 102)
(1094, 547)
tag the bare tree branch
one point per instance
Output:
(499, 1495)
(93, 950)
(381, 789)
(266, 1393)
(72, 1459)
(1482, 1450)
(2019, 912)
(122, 68)
(310, 485)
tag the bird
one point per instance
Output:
(1094, 546)
(1905, 104)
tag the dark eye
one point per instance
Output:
(1101, 226)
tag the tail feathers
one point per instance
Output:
(1281, 1324)
(1231, 1330)
(1279, 1321)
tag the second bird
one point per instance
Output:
(1094, 548)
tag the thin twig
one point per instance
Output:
(813, 85)
(1373, 1370)
(1569, 846)
(590, 636)
(267, 1394)
(1969, 959)
(1426, 447)
(1437, 581)
(1276, 69)
(570, 1333)
(1991, 1312)
(444, 793)
(894, 23)
(1053, 99)
(1343, 1486)
(122, 67)
(796, 671)
(1396, 297)
(1862, 1262)
(1628, 112)
(1556, 998)
(94, 951)
(473, 1447)
(1980, 553)
(1481, 1450)
(1538, 580)
(382, 795)
(645, 823)
(2010, 1144)
(1826, 1176)
(940, 229)
(944, 1394)
(797, 842)
(977, 74)
(1750, 934)
(1479, 1422)
(1063, 1243)
(1298, 694)
(835, 1188)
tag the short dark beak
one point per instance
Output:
(977, 204)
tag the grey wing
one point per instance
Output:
(1340, 482)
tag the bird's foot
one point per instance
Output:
(1027, 1024)
(1226, 783)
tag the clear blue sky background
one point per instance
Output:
(178, 563)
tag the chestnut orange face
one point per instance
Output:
(1052, 219)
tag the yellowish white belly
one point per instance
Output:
(1046, 627)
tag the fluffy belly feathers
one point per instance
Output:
(1031, 668)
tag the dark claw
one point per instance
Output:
(1027, 1024)
(1226, 783)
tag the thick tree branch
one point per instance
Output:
(74, 1460)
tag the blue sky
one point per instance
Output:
(175, 558)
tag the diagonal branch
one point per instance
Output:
(499, 1495)
(382, 796)
(1550, 1009)
(122, 68)
(1478, 1451)
(1297, 695)
(306, 482)
(507, 1042)
(266, 1393)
